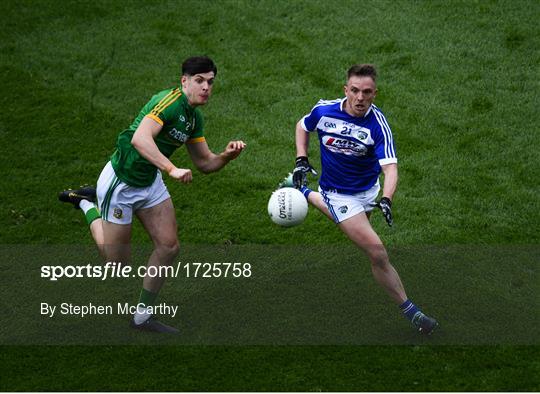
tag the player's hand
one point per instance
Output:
(301, 169)
(233, 149)
(181, 175)
(385, 205)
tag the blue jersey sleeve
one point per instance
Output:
(310, 121)
(384, 142)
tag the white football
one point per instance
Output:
(287, 207)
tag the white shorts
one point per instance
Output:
(345, 206)
(117, 200)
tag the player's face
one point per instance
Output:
(360, 93)
(198, 87)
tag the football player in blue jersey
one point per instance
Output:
(356, 145)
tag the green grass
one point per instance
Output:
(291, 368)
(458, 84)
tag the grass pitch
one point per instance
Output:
(458, 84)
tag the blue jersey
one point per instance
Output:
(352, 148)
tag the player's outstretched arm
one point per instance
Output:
(206, 161)
(302, 166)
(389, 188)
(143, 141)
(302, 140)
(390, 172)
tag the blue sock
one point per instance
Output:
(305, 191)
(409, 309)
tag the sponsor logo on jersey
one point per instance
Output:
(344, 146)
(178, 135)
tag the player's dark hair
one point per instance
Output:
(198, 65)
(363, 70)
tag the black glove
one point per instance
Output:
(385, 205)
(302, 167)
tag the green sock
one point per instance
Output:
(147, 298)
(91, 215)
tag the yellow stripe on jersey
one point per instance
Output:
(195, 140)
(160, 107)
(154, 117)
(164, 106)
(167, 97)
(166, 101)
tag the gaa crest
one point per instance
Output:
(117, 213)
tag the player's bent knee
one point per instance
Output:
(169, 249)
(378, 256)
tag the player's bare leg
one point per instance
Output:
(160, 223)
(115, 245)
(96, 230)
(316, 199)
(359, 230)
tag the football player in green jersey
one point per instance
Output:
(131, 182)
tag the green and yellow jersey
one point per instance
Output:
(181, 124)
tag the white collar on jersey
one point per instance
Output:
(343, 102)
